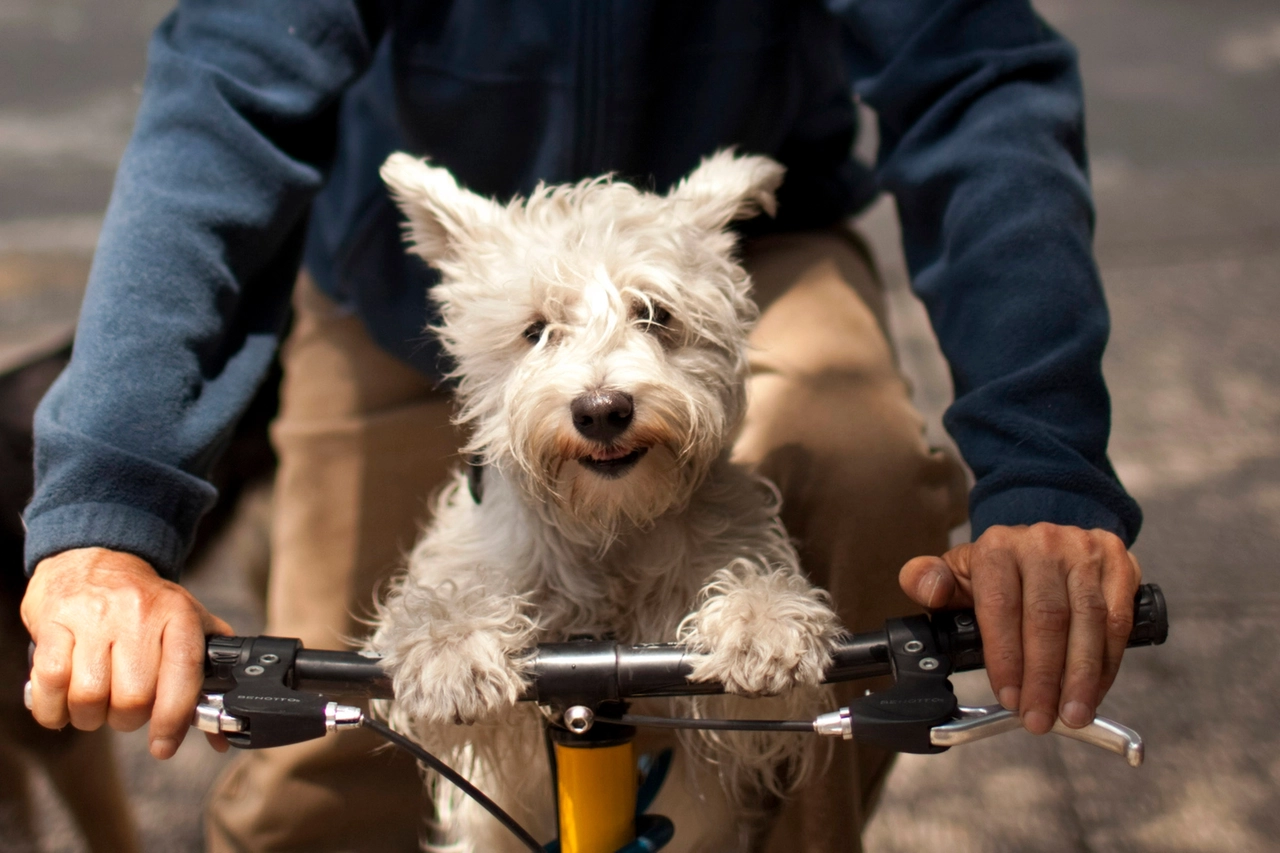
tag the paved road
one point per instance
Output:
(1184, 121)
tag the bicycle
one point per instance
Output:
(263, 692)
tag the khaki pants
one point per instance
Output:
(364, 440)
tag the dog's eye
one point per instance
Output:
(654, 317)
(533, 333)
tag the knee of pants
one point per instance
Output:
(861, 491)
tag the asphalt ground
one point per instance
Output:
(1184, 120)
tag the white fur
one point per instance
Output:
(545, 299)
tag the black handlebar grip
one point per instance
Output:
(1150, 617)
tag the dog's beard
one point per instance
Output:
(649, 470)
(635, 480)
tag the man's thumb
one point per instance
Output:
(928, 581)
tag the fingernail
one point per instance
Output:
(930, 586)
(1077, 714)
(1037, 722)
(1009, 697)
(163, 748)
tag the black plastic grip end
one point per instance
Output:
(1150, 617)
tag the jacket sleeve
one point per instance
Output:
(188, 292)
(982, 145)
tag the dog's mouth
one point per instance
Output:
(612, 462)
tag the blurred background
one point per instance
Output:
(1184, 121)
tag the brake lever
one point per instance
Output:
(249, 696)
(211, 716)
(920, 714)
(978, 723)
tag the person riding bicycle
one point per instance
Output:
(255, 152)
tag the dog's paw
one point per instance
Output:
(760, 637)
(762, 656)
(456, 654)
(464, 679)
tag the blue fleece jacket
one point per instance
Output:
(263, 123)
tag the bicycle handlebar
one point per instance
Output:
(563, 672)
(593, 672)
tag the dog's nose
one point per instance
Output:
(602, 415)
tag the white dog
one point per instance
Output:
(599, 334)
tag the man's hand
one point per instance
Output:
(1055, 608)
(115, 643)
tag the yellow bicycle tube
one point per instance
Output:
(597, 797)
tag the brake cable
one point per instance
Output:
(430, 760)
(456, 778)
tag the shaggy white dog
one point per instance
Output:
(599, 334)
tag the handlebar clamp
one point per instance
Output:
(902, 717)
(262, 709)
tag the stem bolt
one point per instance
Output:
(579, 719)
(928, 664)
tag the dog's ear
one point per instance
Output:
(441, 214)
(726, 187)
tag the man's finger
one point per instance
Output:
(1086, 644)
(1120, 580)
(997, 602)
(134, 663)
(1046, 615)
(178, 684)
(90, 689)
(51, 676)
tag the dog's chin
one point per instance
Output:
(613, 489)
(613, 463)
